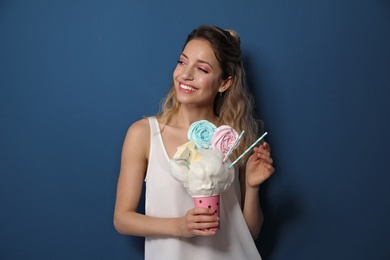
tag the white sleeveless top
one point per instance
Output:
(167, 198)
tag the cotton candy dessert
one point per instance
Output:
(202, 164)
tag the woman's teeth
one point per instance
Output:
(187, 87)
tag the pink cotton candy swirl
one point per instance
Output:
(224, 138)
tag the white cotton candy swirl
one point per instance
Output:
(209, 176)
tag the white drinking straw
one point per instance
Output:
(247, 150)
(233, 147)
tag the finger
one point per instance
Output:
(253, 157)
(206, 219)
(265, 158)
(208, 225)
(269, 170)
(262, 150)
(204, 226)
(206, 232)
(201, 211)
(262, 154)
(267, 146)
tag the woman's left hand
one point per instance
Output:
(259, 166)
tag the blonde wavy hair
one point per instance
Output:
(235, 106)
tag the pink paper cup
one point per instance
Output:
(211, 202)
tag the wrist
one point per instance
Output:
(174, 227)
(252, 189)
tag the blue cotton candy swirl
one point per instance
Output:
(201, 132)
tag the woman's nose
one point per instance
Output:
(187, 73)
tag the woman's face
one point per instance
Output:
(197, 74)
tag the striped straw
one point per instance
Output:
(247, 150)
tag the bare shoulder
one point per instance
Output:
(140, 127)
(138, 138)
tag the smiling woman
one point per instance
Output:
(208, 84)
(197, 75)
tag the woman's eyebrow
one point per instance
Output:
(200, 61)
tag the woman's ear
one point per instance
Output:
(225, 84)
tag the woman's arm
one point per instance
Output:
(127, 221)
(258, 169)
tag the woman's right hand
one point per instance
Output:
(196, 222)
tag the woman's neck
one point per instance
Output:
(186, 117)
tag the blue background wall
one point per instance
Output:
(75, 74)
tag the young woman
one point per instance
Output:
(208, 83)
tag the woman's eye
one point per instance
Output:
(180, 62)
(203, 70)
